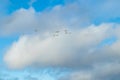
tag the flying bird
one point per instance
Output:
(67, 32)
(56, 33)
(36, 30)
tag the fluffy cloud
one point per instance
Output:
(77, 13)
(25, 21)
(84, 49)
(79, 50)
(65, 50)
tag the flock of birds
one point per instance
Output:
(57, 32)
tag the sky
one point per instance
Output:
(59, 40)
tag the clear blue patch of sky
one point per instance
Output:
(5, 41)
(17, 4)
(99, 21)
(39, 5)
(108, 41)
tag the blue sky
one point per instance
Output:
(39, 5)
(59, 39)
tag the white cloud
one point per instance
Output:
(78, 50)
(20, 21)
(77, 14)
(65, 50)
(25, 21)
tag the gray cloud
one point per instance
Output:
(108, 71)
